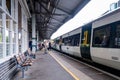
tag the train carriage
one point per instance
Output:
(70, 42)
(98, 41)
(105, 48)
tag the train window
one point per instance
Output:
(77, 40)
(66, 41)
(72, 40)
(69, 41)
(101, 36)
(117, 36)
(57, 41)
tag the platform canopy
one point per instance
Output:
(52, 14)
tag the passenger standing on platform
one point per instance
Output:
(30, 45)
(40, 46)
(46, 46)
(49, 48)
(43, 46)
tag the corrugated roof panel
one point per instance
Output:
(54, 13)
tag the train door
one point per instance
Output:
(85, 41)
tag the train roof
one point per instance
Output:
(108, 14)
(103, 16)
(68, 33)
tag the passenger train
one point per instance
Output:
(97, 41)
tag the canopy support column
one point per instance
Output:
(34, 46)
(37, 40)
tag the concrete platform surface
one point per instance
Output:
(45, 68)
(79, 69)
(55, 66)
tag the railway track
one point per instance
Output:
(104, 69)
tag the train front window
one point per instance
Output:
(101, 37)
(117, 37)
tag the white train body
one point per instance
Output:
(106, 56)
(73, 50)
(98, 41)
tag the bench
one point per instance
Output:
(29, 54)
(22, 62)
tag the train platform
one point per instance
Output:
(56, 66)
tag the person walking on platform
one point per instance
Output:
(30, 45)
(44, 47)
(49, 48)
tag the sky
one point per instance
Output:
(93, 10)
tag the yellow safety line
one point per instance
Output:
(73, 75)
